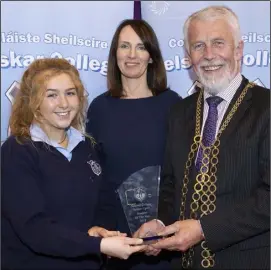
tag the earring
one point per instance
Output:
(150, 61)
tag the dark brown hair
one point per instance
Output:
(156, 72)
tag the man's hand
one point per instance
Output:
(187, 233)
(150, 228)
(101, 232)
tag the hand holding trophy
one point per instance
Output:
(152, 227)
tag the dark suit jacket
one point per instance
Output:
(238, 232)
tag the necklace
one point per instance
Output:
(63, 139)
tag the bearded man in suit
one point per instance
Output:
(215, 183)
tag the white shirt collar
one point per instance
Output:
(38, 135)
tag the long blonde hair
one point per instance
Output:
(32, 91)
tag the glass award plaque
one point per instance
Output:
(139, 196)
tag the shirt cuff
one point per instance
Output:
(202, 233)
(161, 222)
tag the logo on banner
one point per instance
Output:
(259, 82)
(12, 91)
(159, 7)
(196, 86)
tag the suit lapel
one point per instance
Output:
(239, 114)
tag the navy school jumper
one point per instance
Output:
(48, 205)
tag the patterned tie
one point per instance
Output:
(209, 127)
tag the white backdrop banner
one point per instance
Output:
(79, 31)
(168, 17)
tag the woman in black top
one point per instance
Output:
(129, 123)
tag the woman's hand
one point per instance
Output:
(102, 232)
(120, 246)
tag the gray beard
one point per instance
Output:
(213, 86)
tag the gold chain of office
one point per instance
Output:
(204, 198)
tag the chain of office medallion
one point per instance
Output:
(205, 186)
